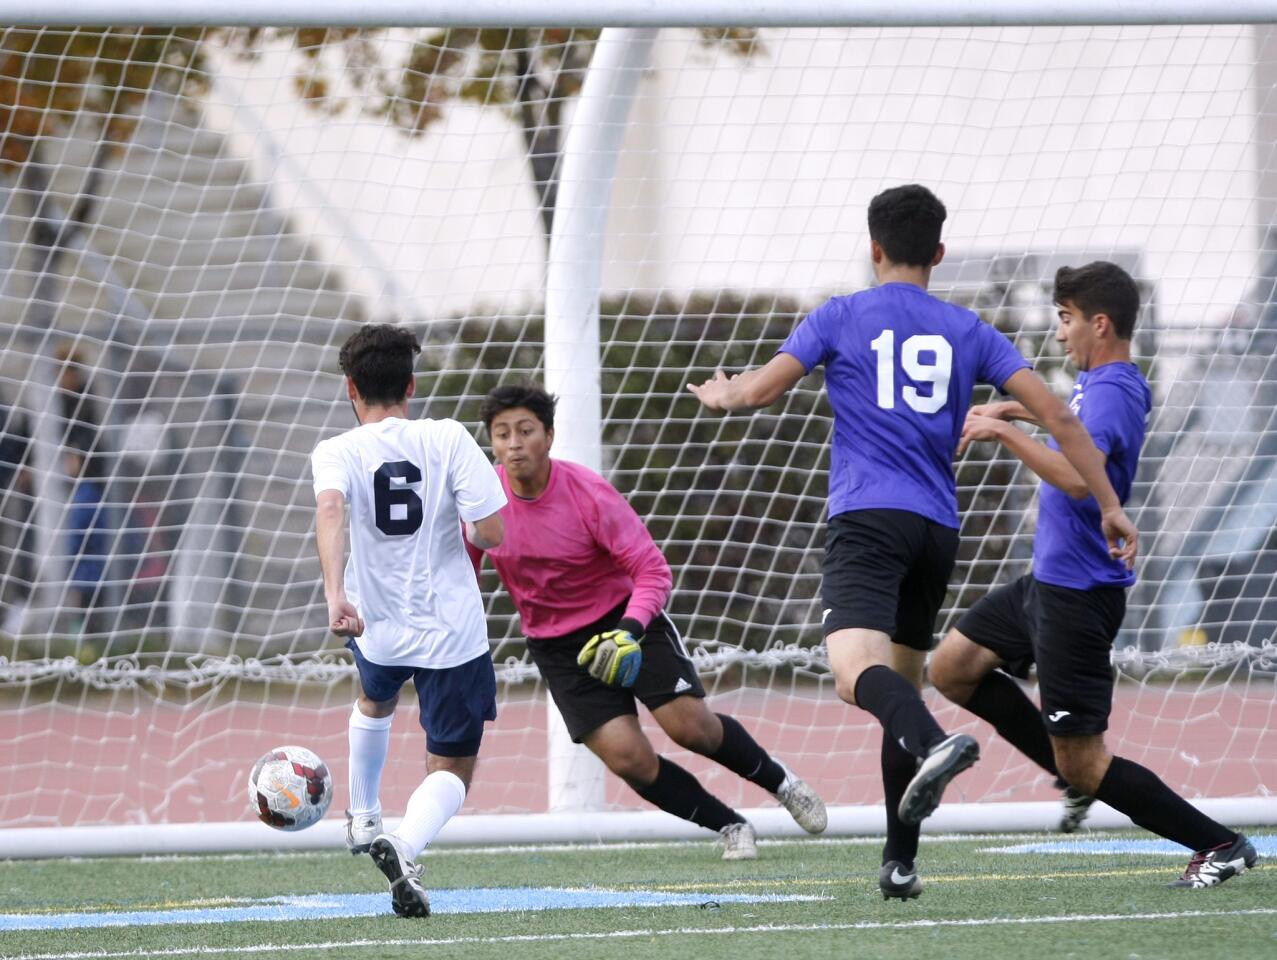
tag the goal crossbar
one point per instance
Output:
(637, 13)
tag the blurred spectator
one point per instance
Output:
(16, 531)
(75, 403)
(147, 545)
(87, 528)
(146, 541)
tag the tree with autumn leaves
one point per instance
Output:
(49, 78)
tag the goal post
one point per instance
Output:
(182, 258)
(574, 276)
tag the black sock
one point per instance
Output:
(1140, 794)
(904, 717)
(999, 700)
(898, 768)
(741, 754)
(678, 792)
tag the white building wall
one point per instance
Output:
(1036, 139)
(755, 173)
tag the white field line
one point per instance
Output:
(679, 932)
(507, 849)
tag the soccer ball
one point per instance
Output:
(290, 788)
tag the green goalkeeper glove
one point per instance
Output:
(613, 657)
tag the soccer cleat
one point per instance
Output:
(947, 759)
(898, 882)
(407, 895)
(739, 842)
(361, 831)
(1209, 868)
(1076, 807)
(802, 802)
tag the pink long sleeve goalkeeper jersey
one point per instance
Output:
(575, 552)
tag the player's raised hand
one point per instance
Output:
(978, 427)
(613, 657)
(713, 391)
(344, 619)
(1122, 536)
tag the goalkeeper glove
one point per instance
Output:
(613, 657)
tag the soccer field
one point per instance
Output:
(1099, 896)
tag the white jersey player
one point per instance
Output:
(408, 599)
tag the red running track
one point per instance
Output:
(133, 759)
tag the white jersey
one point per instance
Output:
(409, 484)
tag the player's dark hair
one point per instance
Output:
(1101, 287)
(380, 358)
(513, 395)
(905, 222)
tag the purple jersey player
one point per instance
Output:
(1064, 616)
(900, 367)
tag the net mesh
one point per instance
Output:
(192, 222)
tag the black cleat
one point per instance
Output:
(1076, 807)
(947, 759)
(898, 882)
(407, 895)
(1209, 868)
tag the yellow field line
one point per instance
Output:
(854, 880)
(117, 907)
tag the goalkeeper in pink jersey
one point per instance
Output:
(590, 586)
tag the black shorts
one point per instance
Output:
(887, 570)
(586, 703)
(1069, 635)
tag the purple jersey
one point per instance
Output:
(1069, 550)
(900, 366)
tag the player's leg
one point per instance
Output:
(960, 665)
(898, 877)
(438, 797)
(621, 744)
(691, 724)
(455, 704)
(868, 555)
(1075, 632)
(974, 665)
(1132, 789)
(924, 553)
(605, 719)
(368, 738)
(687, 720)
(436, 800)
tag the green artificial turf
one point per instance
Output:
(978, 904)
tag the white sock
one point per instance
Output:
(431, 805)
(369, 743)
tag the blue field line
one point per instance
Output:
(1265, 845)
(321, 906)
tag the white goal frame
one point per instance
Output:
(591, 148)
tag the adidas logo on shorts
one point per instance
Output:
(682, 686)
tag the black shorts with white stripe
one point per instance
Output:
(586, 703)
(1067, 633)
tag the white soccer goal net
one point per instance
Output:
(193, 220)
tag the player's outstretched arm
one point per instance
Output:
(753, 389)
(1078, 448)
(1003, 410)
(486, 533)
(330, 534)
(1050, 465)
